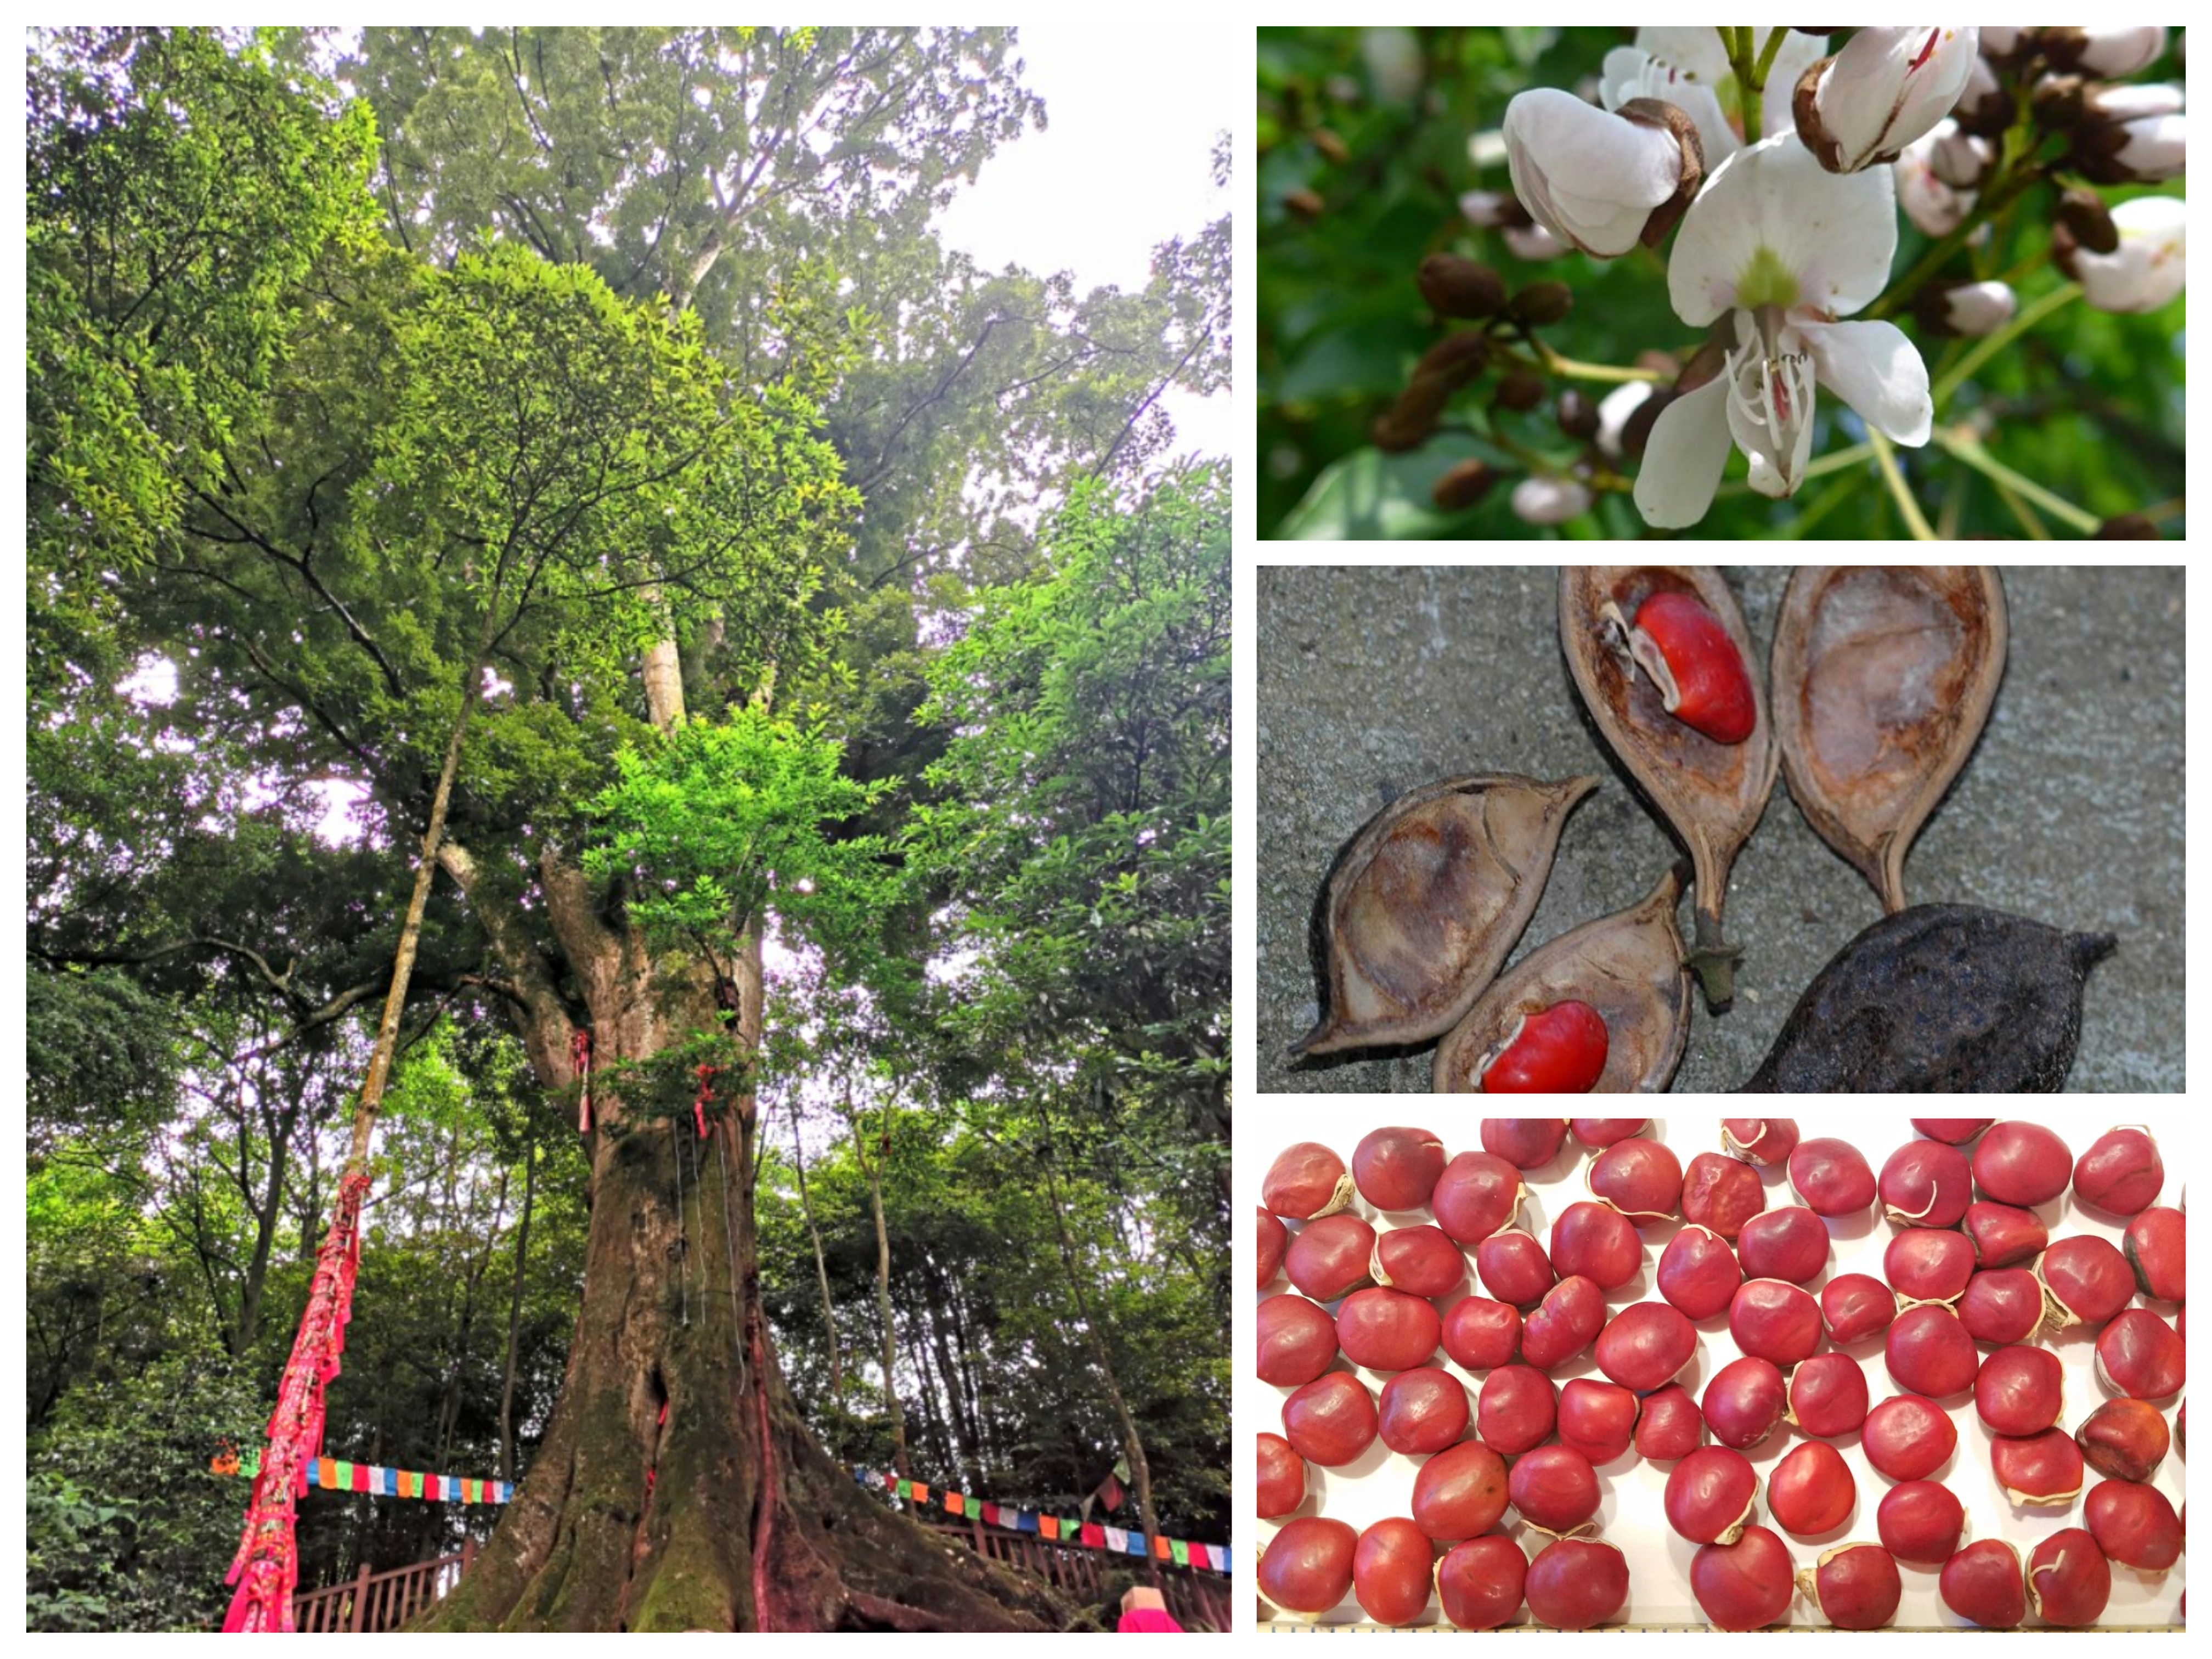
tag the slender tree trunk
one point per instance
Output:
(821, 1268)
(872, 1168)
(515, 1317)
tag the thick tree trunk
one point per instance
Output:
(678, 1486)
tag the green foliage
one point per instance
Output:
(1367, 141)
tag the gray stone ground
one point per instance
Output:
(1373, 681)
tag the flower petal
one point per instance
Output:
(1684, 458)
(1796, 54)
(1589, 177)
(1630, 74)
(1697, 53)
(1878, 371)
(1837, 235)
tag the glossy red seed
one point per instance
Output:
(1952, 1131)
(1419, 1261)
(1387, 1330)
(1527, 1143)
(1857, 1305)
(1397, 1167)
(1514, 1268)
(1598, 1133)
(1711, 1495)
(1929, 1353)
(1553, 1487)
(2134, 1524)
(1558, 1050)
(1517, 1410)
(1828, 1395)
(1644, 1346)
(1564, 1322)
(2019, 1390)
(1721, 1193)
(1857, 1586)
(1746, 1585)
(1908, 1438)
(1460, 1491)
(1640, 1178)
(2126, 1439)
(2068, 1581)
(1924, 1264)
(1759, 1140)
(1711, 687)
(2004, 1304)
(1307, 1566)
(1422, 1411)
(1297, 1341)
(1671, 1425)
(1775, 1321)
(1274, 1240)
(1985, 1583)
(1920, 1522)
(1831, 1177)
(2003, 1234)
(1282, 1478)
(2121, 1172)
(2139, 1355)
(1331, 1420)
(1481, 1335)
(1597, 1242)
(1699, 1273)
(2043, 1469)
(1479, 1583)
(1744, 1402)
(1811, 1490)
(1391, 1569)
(1596, 1419)
(2088, 1280)
(1788, 1243)
(2156, 1249)
(2021, 1164)
(1306, 1180)
(1925, 1183)
(1330, 1257)
(1479, 1194)
(1577, 1584)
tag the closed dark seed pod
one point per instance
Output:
(1540, 304)
(1464, 486)
(1635, 432)
(1455, 287)
(2083, 213)
(2128, 528)
(1521, 390)
(1577, 414)
(1943, 999)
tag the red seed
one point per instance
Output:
(1699, 672)
(1924, 1264)
(1305, 1181)
(2021, 1164)
(1331, 1420)
(1722, 1193)
(1577, 1584)
(1460, 1491)
(1744, 1585)
(1597, 1242)
(2020, 1390)
(1907, 1438)
(1595, 1418)
(2067, 1578)
(1928, 1351)
(2001, 1306)
(1828, 1395)
(1759, 1140)
(1599, 1133)
(2086, 1281)
(1479, 1583)
(1790, 1243)
(1274, 1240)
(1775, 1321)
(1857, 1306)
(1528, 1142)
(2043, 1469)
(1330, 1257)
(1831, 1177)
(1711, 1495)
(1698, 1273)
(1952, 1131)
(1558, 1050)
(1514, 1268)
(1671, 1425)
(1419, 1261)
(1391, 1569)
(1307, 1566)
(1422, 1411)
(1640, 1178)
(1396, 1168)
(2155, 1245)
(2139, 1355)
(2134, 1524)
(1387, 1330)
(1517, 1410)
(2121, 1172)
(1297, 1341)
(2003, 1234)
(1481, 1335)
(1811, 1490)
(2126, 1439)
(1644, 1346)
(1282, 1477)
(1920, 1522)
(1565, 1322)
(1926, 1183)
(1986, 1583)
(1856, 1586)
(1553, 1487)
(1744, 1402)
(1479, 1194)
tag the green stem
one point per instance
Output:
(1988, 347)
(1994, 201)
(1766, 58)
(1885, 459)
(2020, 510)
(1963, 447)
(1567, 369)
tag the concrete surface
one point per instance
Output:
(1373, 681)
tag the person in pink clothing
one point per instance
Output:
(1143, 1609)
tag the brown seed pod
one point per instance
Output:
(1711, 794)
(1422, 905)
(1628, 966)
(1882, 678)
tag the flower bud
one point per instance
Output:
(1577, 415)
(2088, 221)
(1541, 304)
(1464, 486)
(1970, 309)
(2128, 528)
(1636, 432)
(1520, 390)
(1492, 209)
(1934, 208)
(2057, 102)
(1550, 500)
(2000, 45)
(1984, 108)
(2111, 53)
(1614, 414)
(2126, 101)
(1886, 88)
(1533, 244)
(2151, 267)
(1460, 288)
(2143, 151)
(1602, 182)
(1958, 159)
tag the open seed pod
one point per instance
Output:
(1422, 905)
(1944, 999)
(1626, 968)
(1883, 676)
(1671, 697)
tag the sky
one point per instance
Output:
(1122, 166)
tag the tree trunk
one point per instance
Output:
(874, 1169)
(821, 1268)
(515, 1317)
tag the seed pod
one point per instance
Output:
(1628, 967)
(1464, 486)
(1423, 904)
(1883, 676)
(1520, 390)
(1710, 792)
(1944, 999)
(1454, 286)
(1577, 415)
(1540, 304)
(2084, 214)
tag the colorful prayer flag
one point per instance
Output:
(905, 1489)
(921, 1493)
(1197, 1555)
(1047, 1526)
(1094, 1536)
(1025, 1522)
(954, 1503)
(1220, 1554)
(326, 1473)
(1117, 1539)
(1160, 1549)
(434, 1486)
(1179, 1550)
(990, 1513)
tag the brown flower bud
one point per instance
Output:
(1577, 414)
(1454, 361)
(1331, 147)
(1305, 204)
(1672, 118)
(1543, 303)
(1454, 286)
(1521, 390)
(2128, 528)
(1464, 486)
(2084, 214)
(2057, 102)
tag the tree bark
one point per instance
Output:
(514, 1316)
(821, 1267)
(872, 1169)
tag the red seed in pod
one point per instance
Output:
(2020, 1390)
(1423, 1410)
(2069, 1579)
(1274, 1240)
(1554, 1488)
(1391, 1568)
(1577, 1584)
(2134, 1524)
(1307, 1566)
(1526, 1143)
(1744, 1585)
(1827, 1395)
(2121, 1172)
(1857, 1306)
(1565, 1322)
(1640, 1178)
(1698, 1273)
(1952, 1131)
(1596, 1419)
(1419, 1261)
(1396, 1168)
(1479, 1194)
(1711, 1495)
(2003, 1234)
(2139, 1355)
(1330, 1257)
(1514, 1268)
(1387, 1330)
(2156, 1246)
(1598, 1244)
(1744, 1402)
(2085, 1281)
(1759, 1140)
(1811, 1490)
(1721, 1193)
(1558, 1050)
(1687, 654)
(2001, 1304)
(1856, 1586)
(2021, 1164)
(1460, 1491)
(1305, 1182)
(1480, 1582)
(1831, 1177)
(1921, 1521)
(1788, 1243)
(1925, 1265)
(1908, 1438)
(1985, 1583)
(1671, 1425)
(2043, 1469)
(1775, 1321)
(1643, 1346)
(2126, 1439)
(1517, 1410)
(1282, 1478)
(1599, 1133)
(1928, 1351)
(1481, 1335)
(1926, 1183)
(1297, 1341)
(1331, 1420)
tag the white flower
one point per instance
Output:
(1594, 178)
(1887, 87)
(1550, 500)
(1613, 413)
(2150, 268)
(2141, 139)
(2153, 148)
(1974, 309)
(2133, 103)
(2109, 53)
(1689, 68)
(1781, 249)
(1532, 244)
(1933, 206)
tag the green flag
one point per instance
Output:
(1181, 1551)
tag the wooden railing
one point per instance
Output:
(371, 1602)
(1197, 1601)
